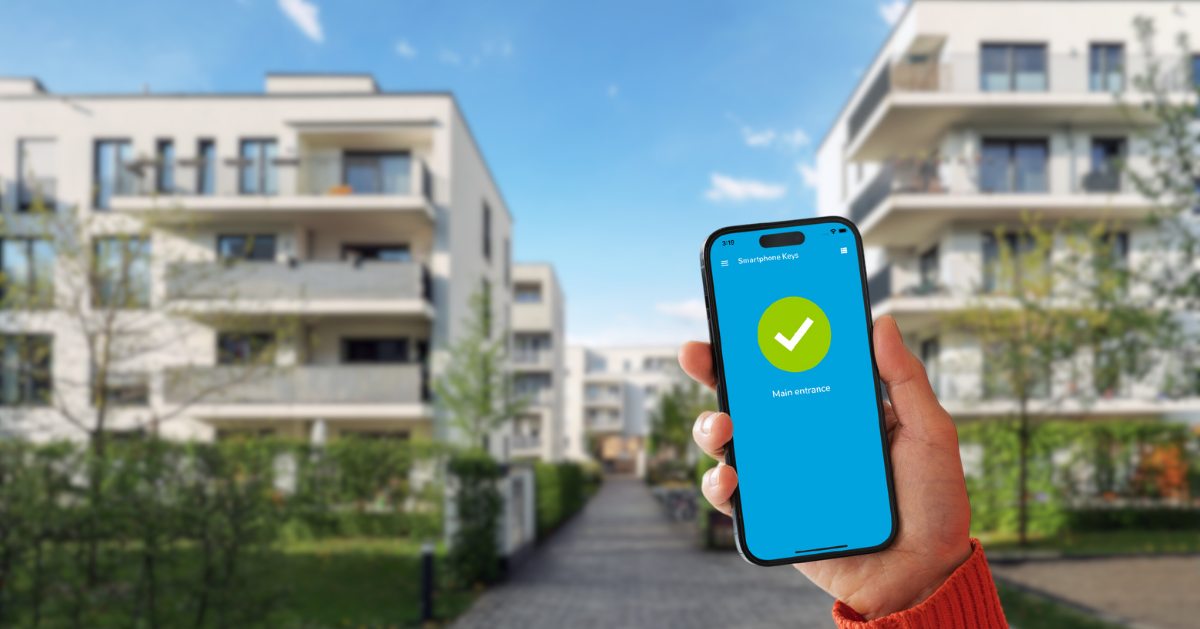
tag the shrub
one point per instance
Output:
(474, 556)
(549, 498)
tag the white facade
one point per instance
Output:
(973, 114)
(611, 393)
(539, 361)
(374, 218)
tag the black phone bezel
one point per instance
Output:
(723, 402)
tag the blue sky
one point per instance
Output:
(621, 133)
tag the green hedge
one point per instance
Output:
(1105, 454)
(159, 534)
(474, 556)
(1152, 519)
(562, 489)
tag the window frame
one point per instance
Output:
(251, 239)
(262, 165)
(1011, 49)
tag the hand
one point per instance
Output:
(933, 538)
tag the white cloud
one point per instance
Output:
(795, 138)
(689, 310)
(729, 189)
(892, 11)
(758, 138)
(449, 57)
(770, 137)
(808, 174)
(613, 90)
(405, 49)
(304, 16)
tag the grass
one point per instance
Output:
(1100, 542)
(1029, 611)
(362, 582)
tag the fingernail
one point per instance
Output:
(706, 427)
(714, 477)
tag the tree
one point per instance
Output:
(671, 423)
(476, 388)
(85, 281)
(1060, 323)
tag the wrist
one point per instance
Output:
(915, 587)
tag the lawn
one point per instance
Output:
(362, 582)
(1029, 611)
(1101, 542)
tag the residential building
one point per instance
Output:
(973, 115)
(539, 361)
(611, 396)
(364, 219)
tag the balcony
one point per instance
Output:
(914, 104)
(336, 391)
(525, 358)
(909, 199)
(525, 445)
(304, 288)
(285, 187)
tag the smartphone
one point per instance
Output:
(790, 324)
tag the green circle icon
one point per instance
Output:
(794, 334)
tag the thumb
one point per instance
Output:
(903, 375)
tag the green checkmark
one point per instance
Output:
(794, 334)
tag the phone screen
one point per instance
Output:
(797, 375)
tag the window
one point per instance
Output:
(378, 173)
(1106, 370)
(1009, 248)
(1106, 157)
(1005, 366)
(381, 253)
(486, 292)
(25, 369)
(127, 389)
(1014, 166)
(929, 270)
(1013, 68)
(38, 166)
(206, 168)
(28, 273)
(530, 348)
(244, 348)
(259, 173)
(122, 272)
(379, 350)
(507, 262)
(113, 177)
(1195, 71)
(165, 159)
(528, 292)
(651, 390)
(487, 232)
(930, 353)
(253, 247)
(531, 385)
(596, 364)
(656, 363)
(1107, 68)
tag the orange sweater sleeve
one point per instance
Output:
(967, 600)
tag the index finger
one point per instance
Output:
(696, 359)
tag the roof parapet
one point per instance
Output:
(20, 86)
(278, 83)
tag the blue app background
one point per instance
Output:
(810, 467)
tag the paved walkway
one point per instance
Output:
(1148, 592)
(622, 565)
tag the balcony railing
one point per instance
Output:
(318, 175)
(538, 397)
(1046, 73)
(263, 281)
(525, 442)
(917, 176)
(879, 286)
(532, 357)
(340, 384)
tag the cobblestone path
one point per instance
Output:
(622, 565)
